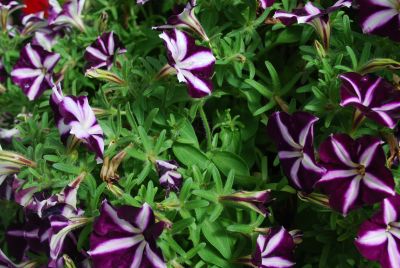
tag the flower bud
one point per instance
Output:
(104, 76)
(11, 162)
(257, 201)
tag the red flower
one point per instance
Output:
(34, 6)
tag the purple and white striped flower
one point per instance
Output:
(314, 16)
(185, 19)
(257, 201)
(293, 135)
(70, 15)
(34, 69)
(266, 3)
(356, 172)
(170, 178)
(274, 249)
(193, 64)
(378, 238)
(381, 17)
(373, 96)
(142, 2)
(101, 53)
(6, 9)
(126, 237)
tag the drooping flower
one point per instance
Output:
(11, 163)
(380, 17)
(126, 237)
(373, 96)
(257, 201)
(185, 19)
(266, 3)
(101, 53)
(81, 121)
(378, 238)
(170, 178)
(6, 9)
(356, 172)
(294, 137)
(193, 64)
(70, 15)
(314, 16)
(34, 69)
(274, 249)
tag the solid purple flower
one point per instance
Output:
(170, 178)
(126, 237)
(373, 96)
(193, 64)
(314, 16)
(379, 237)
(293, 135)
(257, 201)
(274, 250)
(356, 172)
(80, 118)
(185, 19)
(34, 69)
(101, 53)
(70, 15)
(380, 17)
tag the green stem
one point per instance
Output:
(206, 125)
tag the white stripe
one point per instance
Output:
(116, 244)
(378, 19)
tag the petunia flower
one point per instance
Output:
(70, 15)
(314, 16)
(6, 9)
(126, 237)
(101, 53)
(257, 201)
(194, 65)
(356, 172)
(373, 96)
(378, 238)
(34, 69)
(293, 135)
(142, 2)
(185, 19)
(274, 249)
(380, 17)
(266, 3)
(170, 178)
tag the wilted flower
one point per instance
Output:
(274, 249)
(11, 163)
(266, 3)
(109, 170)
(314, 16)
(380, 17)
(101, 53)
(70, 15)
(356, 172)
(193, 64)
(294, 136)
(257, 201)
(34, 69)
(170, 178)
(126, 237)
(378, 238)
(185, 19)
(373, 96)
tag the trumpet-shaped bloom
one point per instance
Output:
(185, 19)
(378, 238)
(376, 98)
(101, 53)
(69, 15)
(380, 17)
(293, 135)
(34, 69)
(314, 16)
(126, 237)
(257, 201)
(193, 64)
(274, 249)
(356, 172)
(170, 178)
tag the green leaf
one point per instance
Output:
(226, 161)
(218, 237)
(190, 155)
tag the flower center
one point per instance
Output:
(361, 170)
(388, 227)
